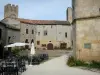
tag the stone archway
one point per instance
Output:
(50, 46)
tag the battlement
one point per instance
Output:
(11, 10)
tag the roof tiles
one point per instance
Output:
(44, 22)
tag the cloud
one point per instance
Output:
(41, 9)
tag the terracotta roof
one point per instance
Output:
(44, 22)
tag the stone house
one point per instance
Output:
(46, 34)
(8, 35)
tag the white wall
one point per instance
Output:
(56, 34)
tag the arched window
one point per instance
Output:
(32, 41)
(26, 41)
(26, 31)
(32, 31)
(66, 34)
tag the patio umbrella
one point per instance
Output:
(16, 44)
(32, 52)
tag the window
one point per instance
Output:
(43, 45)
(32, 41)
(66, 34)
(26, 41)
(38, 42)
(38, 33)
(26, 31)
(87, 45)
(63, 45)
(45, 32)
(32, 31)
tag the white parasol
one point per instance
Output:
(32, 52)
(17, 44)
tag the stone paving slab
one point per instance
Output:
(56, 66)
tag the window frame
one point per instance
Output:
(32, 31)
(87, 45)
(43, 45)
(65, 34)
(38, 42)
(45, 33)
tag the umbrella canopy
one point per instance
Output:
(16, 44)
(32, 50)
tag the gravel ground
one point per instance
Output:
(56, 66)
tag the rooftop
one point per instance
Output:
(44, 22)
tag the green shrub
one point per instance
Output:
(15, 51)
(80, 63)
(94, 64)
(71, 61)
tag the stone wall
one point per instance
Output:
(13, 34)
(29, 36)
(3, 34)
(11, 11)
(86, 8)
(88, 39)
(12, 22)
(55, 35)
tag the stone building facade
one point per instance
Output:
(86, 32)
(8, 35)
(46, 34)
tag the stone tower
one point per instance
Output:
(11, 11)
(86, 29)
(85, 8)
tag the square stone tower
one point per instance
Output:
(86, 29)
(11, 11)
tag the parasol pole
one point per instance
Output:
(31, 60)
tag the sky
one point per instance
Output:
(38, 9)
